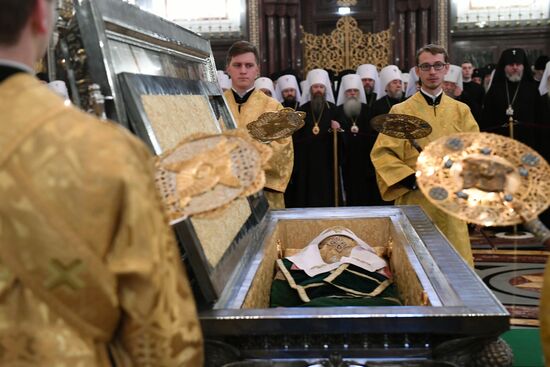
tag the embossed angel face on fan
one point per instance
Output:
(201, 173)
(205, 173)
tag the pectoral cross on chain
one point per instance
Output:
(510, 111)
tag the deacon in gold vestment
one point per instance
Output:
(88, 263)
(395, 159)
(247, 104)
(89, 270)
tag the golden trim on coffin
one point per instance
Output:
(484, 178)
(401, 126)
(204, 173)
(346, 47)
(276, 125)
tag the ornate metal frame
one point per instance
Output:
(346, 47)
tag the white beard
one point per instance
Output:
(515, 77)
(396, 95)
(352, 107)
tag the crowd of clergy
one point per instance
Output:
(493, 93)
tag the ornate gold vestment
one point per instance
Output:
(281, 162)
(88, 263)
(395, 159)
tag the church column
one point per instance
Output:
(272, 55)
(283, 34)
(412, 31)
(425, 6)
(295, 50)
(400, 38)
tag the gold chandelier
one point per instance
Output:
(346, 2)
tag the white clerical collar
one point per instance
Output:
(17, 65)
(244, 94)
(362, 255)
(434, 97)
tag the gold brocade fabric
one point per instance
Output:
(544, 314)
(281, 162)
(88, 263)
(395, 159)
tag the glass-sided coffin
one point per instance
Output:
(443, 297)
(162, 80)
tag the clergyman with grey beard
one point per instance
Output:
(358, 138)
(514, 96)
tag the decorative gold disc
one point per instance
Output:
(276, 125)
(484, 178)
(401, 126)
(204, 173)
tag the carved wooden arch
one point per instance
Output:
(346, 47)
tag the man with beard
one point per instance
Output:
(514, 96)
(473, 90)
(247, 103)
(453, 87)
(391, 91)
(395, 159)
(358, 138)
(371, 82)
(312, 180)
(287, 91)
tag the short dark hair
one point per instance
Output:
(239, 48)
(467, 62)
(13, 17)
(434, 50)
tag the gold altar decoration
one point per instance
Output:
(276, 125)
(346, 47)
(204, 173)
(484, 178)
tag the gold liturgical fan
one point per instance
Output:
(484, 178)
(402, 127)
(276, 125)
(204, 173)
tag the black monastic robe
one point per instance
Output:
(312, 180)
(357, 170)
(527, 106)
(383, 106)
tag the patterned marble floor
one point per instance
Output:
(515, 277)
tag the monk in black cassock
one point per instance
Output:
(513, 93)
(287, 91)
(358, 138)
(371, 80)
(312, 180)
(391, 91)
(474, 90)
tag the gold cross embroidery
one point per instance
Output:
(67, 275)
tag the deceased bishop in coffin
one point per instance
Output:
(336, 268)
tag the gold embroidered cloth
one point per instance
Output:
(93, 264)
(281, 162)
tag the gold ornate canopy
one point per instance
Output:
(346, 47)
